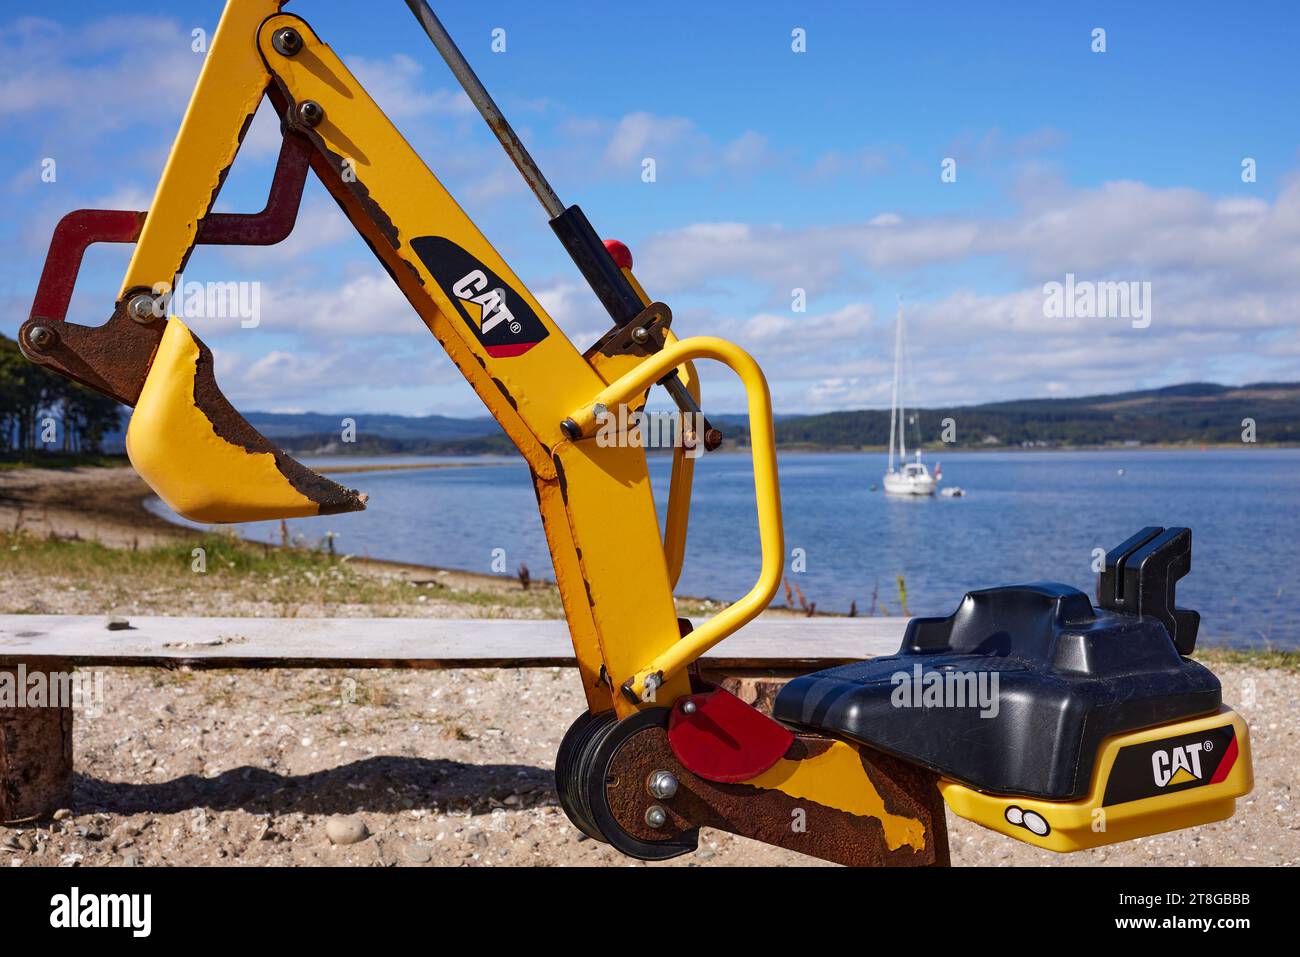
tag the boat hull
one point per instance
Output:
(904, 485)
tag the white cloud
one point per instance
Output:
(675, 143)
(1121, 229)
(101, 77)
(396, 85)
(1223, 306)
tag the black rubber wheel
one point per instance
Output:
(571, 764)
(601, 749)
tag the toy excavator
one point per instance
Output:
(1104, 729)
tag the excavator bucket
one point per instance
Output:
(204, 459)
(185, 439)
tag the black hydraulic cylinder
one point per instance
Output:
(597, 266)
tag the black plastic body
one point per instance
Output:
(1068, 675)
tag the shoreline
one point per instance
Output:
(113, 461)
(106, 505)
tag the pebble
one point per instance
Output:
(418, 853)
(62, 814)
(117, 623)
(130, 860)
(341, 829)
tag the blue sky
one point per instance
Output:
(775, 170)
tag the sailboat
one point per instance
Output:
(909, 478)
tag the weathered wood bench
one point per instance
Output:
(36, 742)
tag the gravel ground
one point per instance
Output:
(454, 768)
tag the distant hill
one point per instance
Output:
(1192, 413)
(1196, 412)
(276, 425)
(366, 443)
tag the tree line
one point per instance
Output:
(42, 411)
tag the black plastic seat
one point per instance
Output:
(1066, 676)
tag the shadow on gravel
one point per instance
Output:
(383, 784)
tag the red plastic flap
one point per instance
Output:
(724, 739)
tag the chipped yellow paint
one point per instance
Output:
(597, 501)
(228, 92)
(836, 779)
(174, 447)
(767, 493)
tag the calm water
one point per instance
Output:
(1026, 516)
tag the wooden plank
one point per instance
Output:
(791, 643)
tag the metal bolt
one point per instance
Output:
(41, 337)
(688, 707)
(571, 430)
(655, 816)
(640, 335)
(599, 410)
(287, 42)
(141, 308)
(661, 784)
(311, 112)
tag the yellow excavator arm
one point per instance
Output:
(209, 464)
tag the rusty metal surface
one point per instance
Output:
(766, 815)
(235, 429)
(274, 222)
(35, 755)
(643, 336)
(114, 358)
(74, 233)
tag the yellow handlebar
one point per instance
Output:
(642, 685)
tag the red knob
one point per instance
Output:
(621, 255)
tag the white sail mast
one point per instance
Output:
(896, 421)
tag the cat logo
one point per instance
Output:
(1167, 765)
(1177, 765)
(500, 318)
(490, 305)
